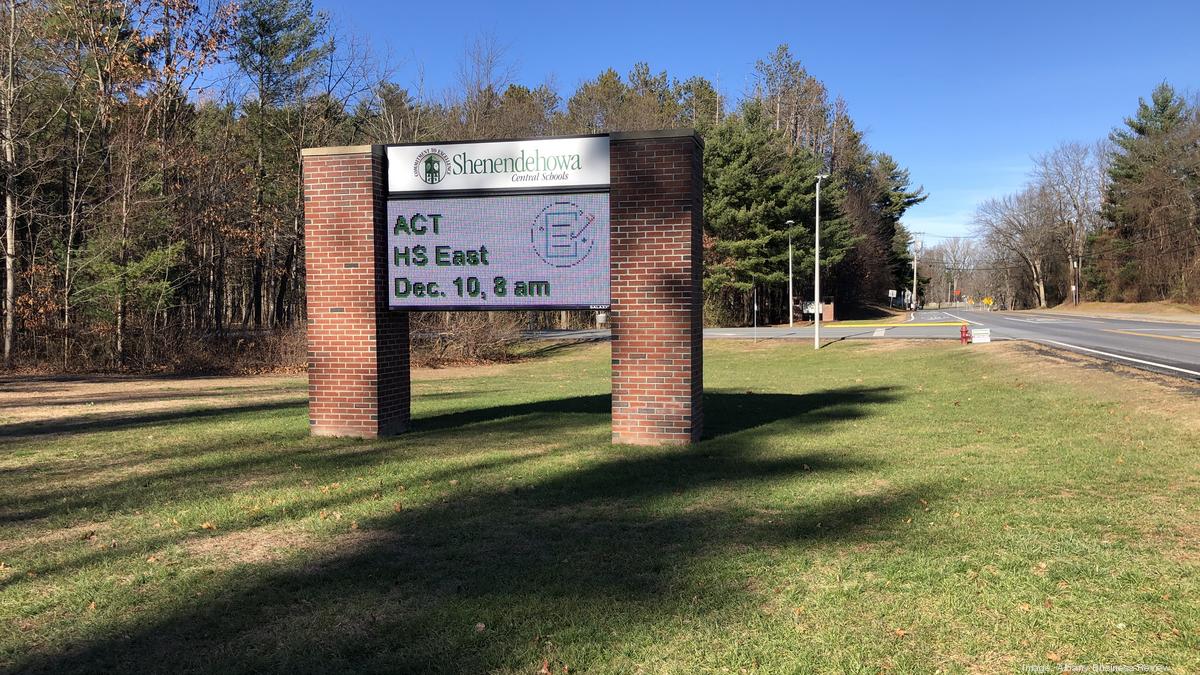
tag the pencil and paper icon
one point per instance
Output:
(561, 234)
(564, 233)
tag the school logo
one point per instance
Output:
(431, 166)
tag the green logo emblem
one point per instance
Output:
(431, 166)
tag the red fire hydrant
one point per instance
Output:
(964, 334)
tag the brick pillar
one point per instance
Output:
(657, 350)
(358, 369)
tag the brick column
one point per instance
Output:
(358, 368)
(657, 323)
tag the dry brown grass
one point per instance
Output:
(1166, 310)
(258, 545)
(49, 398)
(1171, 398)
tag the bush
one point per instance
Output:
(445, 338)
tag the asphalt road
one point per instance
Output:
(1162, 346)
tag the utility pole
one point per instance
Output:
(1074, 279)
(791, 299)
(756, 313)
(817, 268)
(916, 254)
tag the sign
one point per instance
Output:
(892, 293)
(981, 335)
(499, 165)
(548, 251)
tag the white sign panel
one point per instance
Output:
(892, 293)
(499, 252)
(499, 165)
(981, 335)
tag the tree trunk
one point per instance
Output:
(123, 255)
(10, 202)
(1039, 281)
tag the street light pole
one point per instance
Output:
(916, 254)
(817, 269)
(791, 299)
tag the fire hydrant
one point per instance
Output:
(964, 334)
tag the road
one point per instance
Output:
(1163, 346)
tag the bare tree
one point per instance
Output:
(1021, 224)
(1069, 175)
(482, 75)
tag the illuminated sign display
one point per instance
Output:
(499, 252)
(499, 165)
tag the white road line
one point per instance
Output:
(973, 323)
(1013, 318)
(879, 332)
(1124, 358)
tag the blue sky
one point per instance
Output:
(962, 93)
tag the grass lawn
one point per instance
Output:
(874, 507)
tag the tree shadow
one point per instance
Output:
(596, 553)
(22, 431)
(725, 412)
(152, 395)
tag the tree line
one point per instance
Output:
(152, 185)
(1117, 220)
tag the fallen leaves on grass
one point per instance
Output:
(206, 525)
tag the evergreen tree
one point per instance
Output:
(753, 186)
(1152, 200)
(277, 45)
(1139, 147)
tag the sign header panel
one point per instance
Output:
(501, 252)
(499, 165)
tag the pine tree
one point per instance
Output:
(1152, 200)
(1139, 147)
(277, 45)
(753, 186)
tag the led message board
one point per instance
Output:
(499, 224)
(499, 252)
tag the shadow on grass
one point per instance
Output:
(207, 471)
(152, 395)
(725, 412)
(594, 556)
(21, 431)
